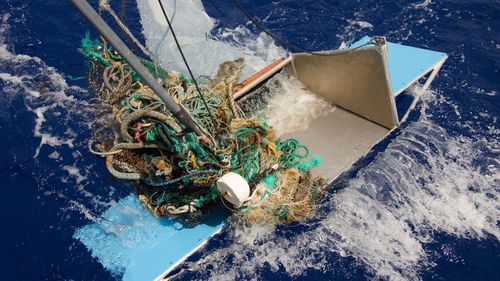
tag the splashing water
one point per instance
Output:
(57, 110)
(286, 104)
(291, 107)
(204, 51)
(424, 182)
(427, 181)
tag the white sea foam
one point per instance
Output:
(204, 51)
(291, 107)
(361, 23)
(54, 155)
(405, 200)
(425, 182)
(74, 171)
(45, 137)
(424, 5)
(26, 83)
(32, 86)
(11, 79)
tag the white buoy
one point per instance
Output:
(234, 188)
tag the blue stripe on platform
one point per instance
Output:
(406, 63)
(128, 240)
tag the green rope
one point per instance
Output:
(75, 78)
(291, 148)
(184, 178)
(245, 150)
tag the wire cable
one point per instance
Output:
(186, 63)
(286, 43)
(157, 48)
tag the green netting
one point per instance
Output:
(179, 168)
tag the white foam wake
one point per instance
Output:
(28, 84)
(203, 50)
(425, 182)
(286, 104)
(18, 78)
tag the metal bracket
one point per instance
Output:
(379, 40)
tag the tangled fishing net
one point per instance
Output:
(179, 170)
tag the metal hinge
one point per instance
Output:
(378, 40)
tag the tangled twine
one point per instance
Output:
(179, 169)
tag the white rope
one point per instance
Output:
(105, 5)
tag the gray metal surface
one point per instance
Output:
(357, 81)
(340, 138)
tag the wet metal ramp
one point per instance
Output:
(340, 138)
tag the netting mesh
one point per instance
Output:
(177, 169)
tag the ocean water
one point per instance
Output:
(422, 206)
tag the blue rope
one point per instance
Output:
(171, 182)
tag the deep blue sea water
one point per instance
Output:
(424, 205)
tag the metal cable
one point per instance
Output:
(187, 65)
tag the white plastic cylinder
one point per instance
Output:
(234, 188)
